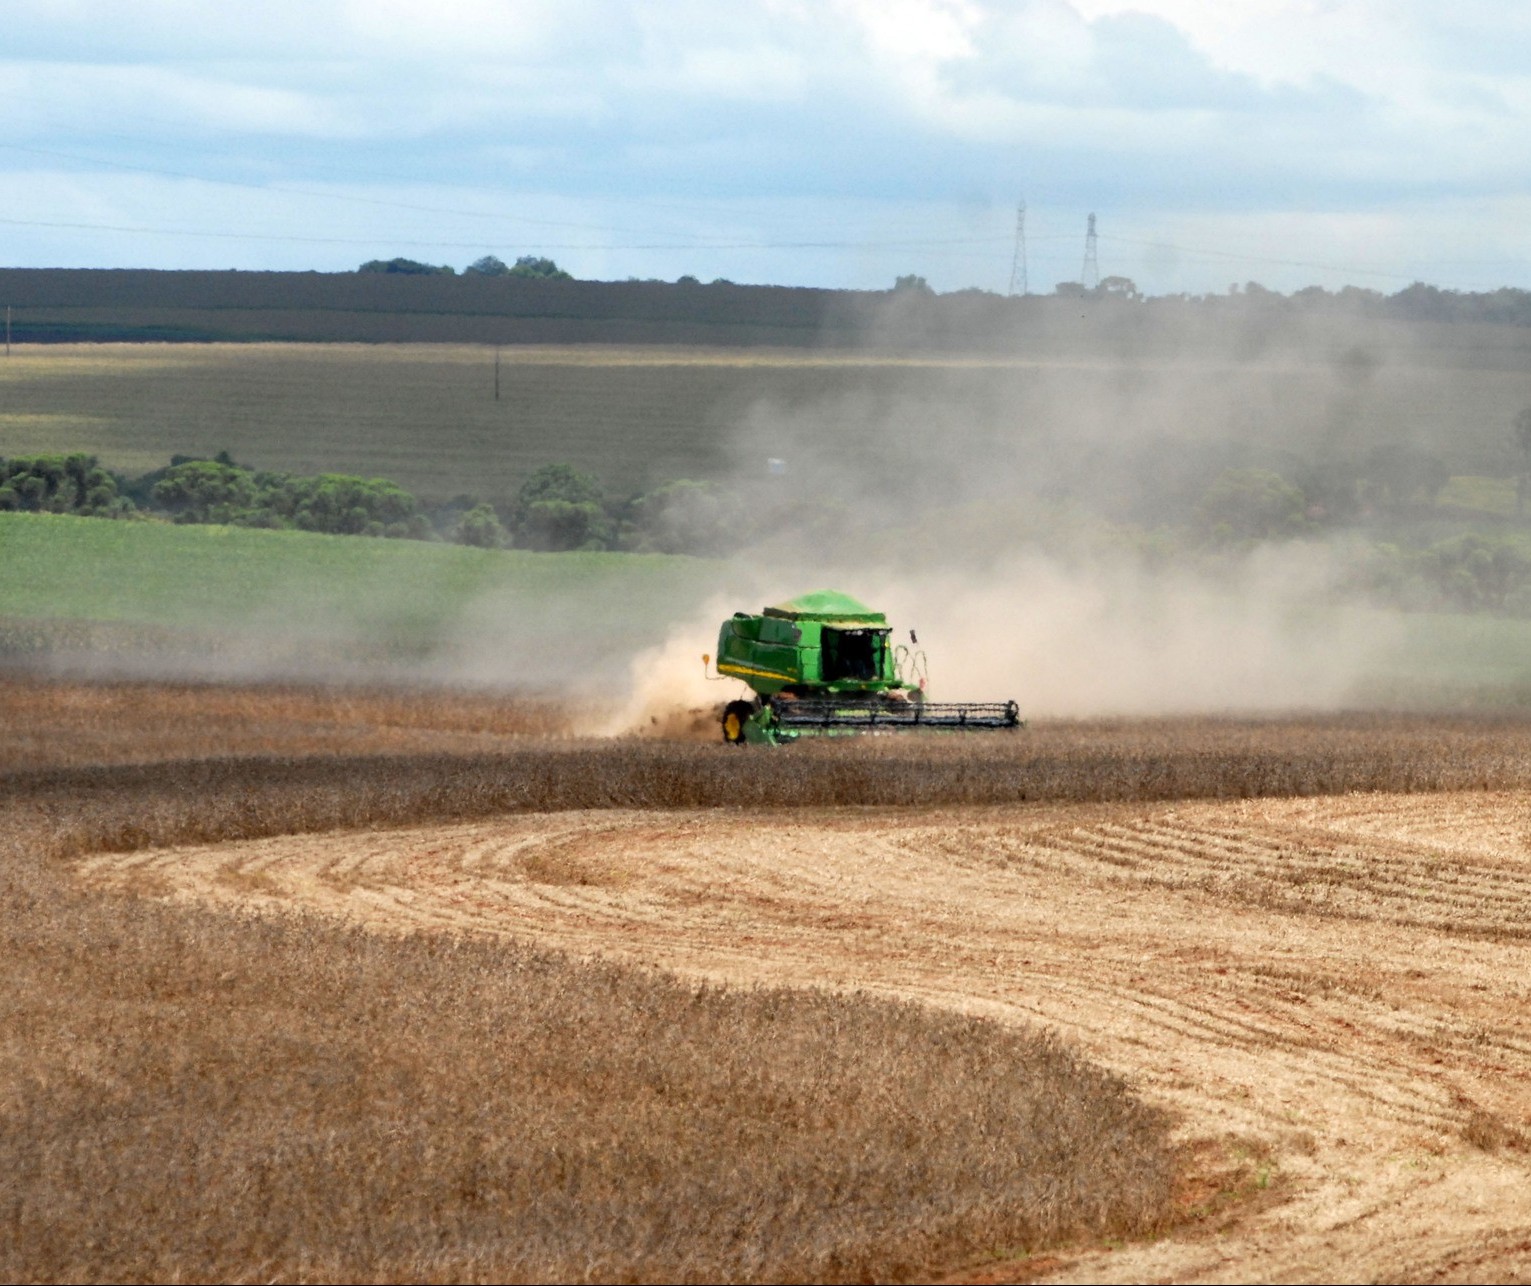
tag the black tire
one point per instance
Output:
(735, 715)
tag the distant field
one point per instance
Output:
(1494, 496)
(237, 599)
(426, 415)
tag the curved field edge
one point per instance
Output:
(1326, 991)
(192, 1094)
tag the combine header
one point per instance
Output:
(824, 664)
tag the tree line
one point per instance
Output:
(533, 300)
(1418, 301)
(557, 508)
(533, 267)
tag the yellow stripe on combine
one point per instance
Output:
(742, 670)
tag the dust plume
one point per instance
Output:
(1116, 639)
(671, 693)
(1064, 527)
(1069, 640)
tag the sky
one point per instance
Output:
(833, 143)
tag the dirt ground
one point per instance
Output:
(1330, 992)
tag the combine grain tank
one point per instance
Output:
(824, 664)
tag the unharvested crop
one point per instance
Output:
(62, 723)
(212, 799)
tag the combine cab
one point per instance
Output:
(824, 664)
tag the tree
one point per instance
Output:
(1475, 573)
(685, 517)
(1250, 504)
(560, 508)
(532, 266)
(555, 526)
(61, 484)
(913, 282)
(408, 267)
(198, 491)
(481, 527)
(202, 491)
(345, 506)
(488, 266)
(559, 482)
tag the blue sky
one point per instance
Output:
(814, 142)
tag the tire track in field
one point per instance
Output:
(1334, 985)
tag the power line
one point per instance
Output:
(1266, 259)
(479, 245)
(383, 203)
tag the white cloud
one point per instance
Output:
(914, 31)
(1172, 112)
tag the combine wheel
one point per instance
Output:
(735, 715)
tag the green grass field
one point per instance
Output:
(1491, 496)
(1456, 657)
(195, 599)
(503, 616)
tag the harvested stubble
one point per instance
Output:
(192, 1095)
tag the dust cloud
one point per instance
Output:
(1039, 515)
(1068, 640)
(1042, 519)
(672, 692)
(1072, 642)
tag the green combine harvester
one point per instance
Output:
(823, 664)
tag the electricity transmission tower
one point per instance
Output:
(1089, 275)
(1018, 263)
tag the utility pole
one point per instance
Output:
(1089, 276)
(1018, 262)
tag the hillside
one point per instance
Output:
(56, 305)
(222, 601)
(1139, 436)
